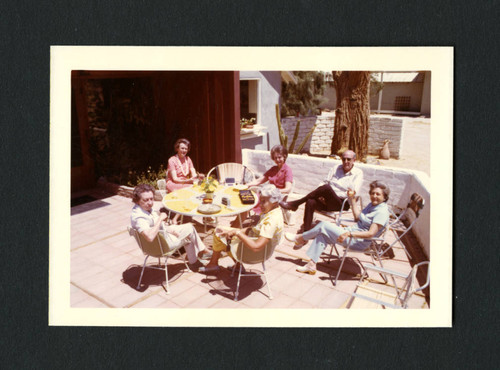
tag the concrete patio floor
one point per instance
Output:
(106, 264)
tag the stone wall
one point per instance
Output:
(306, 123)
(381, 128)
(308, 172)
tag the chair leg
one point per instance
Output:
(376, 253)
(402, 244)
(166, 275)
(238, 285)
(142, 272)
(331, 252)
(340, 268)
(267, 283)
(185, 263)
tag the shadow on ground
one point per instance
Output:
(152, 276)
(225, 285)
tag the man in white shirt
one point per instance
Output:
(330, 195)
(149, 223)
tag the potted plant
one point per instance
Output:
(247, 123)
(209, 185)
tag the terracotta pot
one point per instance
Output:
(385, 153)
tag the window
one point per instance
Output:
(249, 99)
(402, 103)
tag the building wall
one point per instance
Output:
(393, 89)
(419, 96)
(425, 109)
(308, 172)
(268, 97)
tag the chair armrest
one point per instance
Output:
(369, 266)
(374, 239)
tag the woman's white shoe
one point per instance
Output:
(293, 238)
(290, 237)
(306, 270)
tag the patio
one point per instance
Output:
(106, 264)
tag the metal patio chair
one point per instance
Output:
(401, 295)
(337, 215)
(245, 255)
(157, 248)
(378, 248)
(236, 173)
(410, 213)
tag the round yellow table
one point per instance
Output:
(187, 200)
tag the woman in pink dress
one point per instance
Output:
(180, 170)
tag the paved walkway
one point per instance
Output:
(106, 263)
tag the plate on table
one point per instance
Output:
(240, 187)
(209, 209)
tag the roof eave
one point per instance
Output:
(288, 77)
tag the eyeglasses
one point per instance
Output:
(347, 159)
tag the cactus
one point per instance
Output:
(284, 138)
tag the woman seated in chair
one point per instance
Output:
(181, 172)
(370, 223)
(269, 228)
(280, 176)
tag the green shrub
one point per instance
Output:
(149, 177)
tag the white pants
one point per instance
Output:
(183, 231)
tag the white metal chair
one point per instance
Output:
(245, 255)
(337, 215)
(157, 248)
(410, 213)
(378, 248)
(348, 250)
(162, 187)
(401, 294)
(232, 172)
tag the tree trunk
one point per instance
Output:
(353, 112)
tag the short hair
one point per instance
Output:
(279, 149)
(348, 151)
(383, 186)
(182, 141)
(270, 191)
(140, 189)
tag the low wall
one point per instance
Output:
(310, 171)
(381, 128)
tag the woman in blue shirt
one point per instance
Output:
(370, 224)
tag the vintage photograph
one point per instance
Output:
(287, 186)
